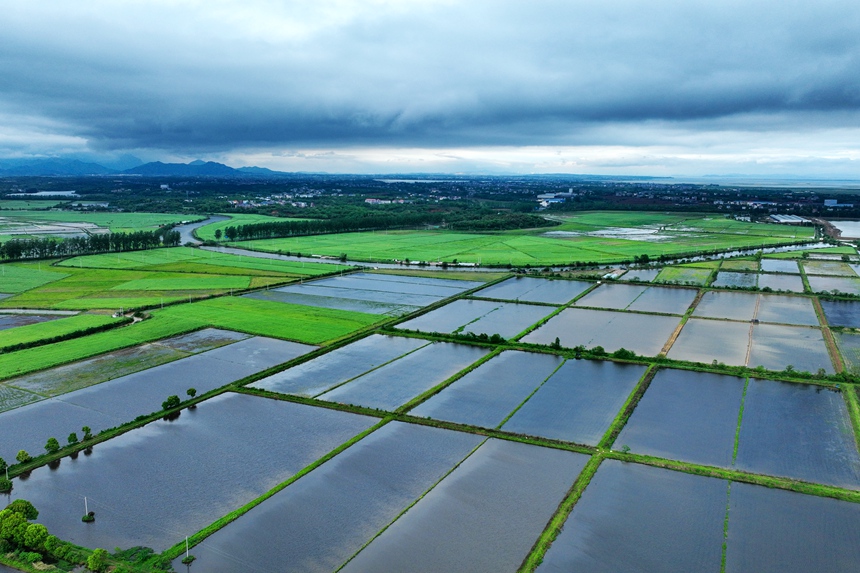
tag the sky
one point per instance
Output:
(615, 87)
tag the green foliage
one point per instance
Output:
(23, 457)
(3, 464)
(73, 439)
(172, 402)
(191, 392)
(5, 485)
(623, 354)
(23, 508)
(35, 536)
(98, 560)
(52, 446)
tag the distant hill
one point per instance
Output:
(75, 167)
(55, 167)
(194, 169)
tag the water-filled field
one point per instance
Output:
(117, 401)
(644, 275)
(786, 310)
(779, 266)
(338, 366)
(639, 518)
(828, 284)
(689, 416)
(798, 431)
(396, 383)
(479, 317)
(159, 483)
(484, 517)
(535, 290)
(317, 523)
(639, 297)
(8, 321)
(833, 268)
(842, 313)
(730, 305)
(777, 531)
(849, 347)
(732, 279)
(704, 340)
(611, 330)
(791, 283)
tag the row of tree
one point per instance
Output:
(368, 222)
(43, 248)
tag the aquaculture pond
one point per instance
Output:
(842, 313)
(530, 289)
(829, 284)
(183, 474)
(638, 518)
(338, 366)
(484, 517)
(578, 402)
(644, 275)
(786, 310)
(487, 395)
(480, 317)
(778, 531)
(776, 282)
(732, 279)
(300, 296)
(121, 400)
(398, 382)
(775, 347)
(665, 300)
(688, 416)
(729, 305)
(779, 266)
(799, 431)
(703, 340)
(317, 523)
(611, 330)
(616, 296)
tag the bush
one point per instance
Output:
(24, 508)
(23, 457)
(29, 557)
(98, 560)
(52, 446)
(73, 439)
(5, 485)
(171, 402)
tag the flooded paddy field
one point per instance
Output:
(638, 518)
(849, 347)
(156, 484)
(611, 330)
(733, 279)
(396, 383)
(372, 293)
(13, 320)
(779, 266)
(850, 285)
(317, 523)
(639, 297)
(831, 268)
(338, 366)
(689, 416)
(778, 531)
(479, 317)
(728, 305)
(704, 340)
(578, 402)
(786, 310)
(791, 283)
(842, 313)
(798, 431)
(535, 290)
(644, 275)
(487, 395)
(613, 296)
(483, 517)
(120, 400)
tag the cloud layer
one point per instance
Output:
(258, 78)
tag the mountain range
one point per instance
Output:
(75, 167)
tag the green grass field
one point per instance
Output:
(53, 328)
(24, 204)
(116, 222)
(739, 265)
(19, 277)
(684, 275)
(207, 232)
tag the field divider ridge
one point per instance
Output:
(608, 439)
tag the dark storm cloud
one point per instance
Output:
(217, 76)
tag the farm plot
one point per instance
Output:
(689, 416)
(792, 283)
(798, 431)
(317, 523)
(786, 310)
(732, 279)
(643, 275)
(779, 266)
(841, 313)
(642, 298)
(487, 395)
(233, 449)
(727, 305)
(487, 513)
(828, 284)
(122, 399)
(684, 275)
(339, 366)
(8, 321)
(611, 330)
(396, 383)
(479, 316)
(115, 222)
(778, 531)
(684, 516)
(849, 348)
(536, 290)
(739, 265)
(19, 277)
(711, 340)
(829, 268)
(55, 326)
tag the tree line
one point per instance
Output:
(269, 230)
(46, 247)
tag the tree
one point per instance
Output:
(87, 433)
(171, 402)
(98, 560)
(3, 465)
(73, 439)
(52, 446)
(23, 457)
(191, 392)
(218, 234)
(35, 536)
(24, 508)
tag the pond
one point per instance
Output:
(639, 518)
(786, 310)
(730, 279)
(779, 266)
(687, 416)
(703, 340)
(776, 347)
(535, 290)
(183, 474)
(479, 317)
(730, 305)
(849, 285)
(644, 275)
(484, 517)
(317, 523)
(842, 313)
(792, 283)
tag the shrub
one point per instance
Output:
(29, 557)
(171, 402)
(23, 457)
(73, 439)
(23, 508)
(98, 560)
(52, 446)
(5, 485)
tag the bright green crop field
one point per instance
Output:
(19, 277)
(116, 222)
(207, 232)
(24, 204)
(591, 237)
(53, 328)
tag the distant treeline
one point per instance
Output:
(477, 222)
(44, 248)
